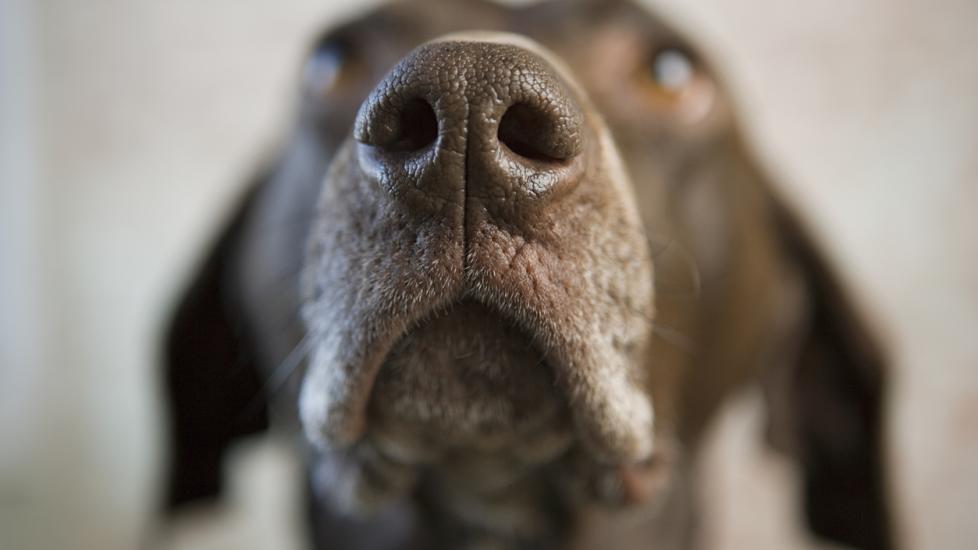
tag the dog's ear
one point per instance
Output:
(832, 403)
(213, 390)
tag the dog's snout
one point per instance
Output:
(481, 185)
(487, 119)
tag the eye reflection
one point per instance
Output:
(324, 69)
(672, 70)
(671, 81)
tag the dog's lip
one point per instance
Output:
(493, 311)
(323, 433)
(489, 357)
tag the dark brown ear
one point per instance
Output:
(832, 404)
(213, 389)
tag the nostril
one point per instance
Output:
(534, 134)
(521, 130)
(417, 127)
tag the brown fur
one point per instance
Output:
(520, 345)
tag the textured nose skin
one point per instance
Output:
(462, 119)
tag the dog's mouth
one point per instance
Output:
(466, 378)
(456, 293)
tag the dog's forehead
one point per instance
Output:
(583, 17)
(564, 26)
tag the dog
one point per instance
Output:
(505, 269)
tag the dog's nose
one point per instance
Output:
(462, 119)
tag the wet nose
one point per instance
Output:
(462, 119)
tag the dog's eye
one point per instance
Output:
(330, 63)
(671, 71)
(673, 81)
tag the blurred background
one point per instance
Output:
(127, 128)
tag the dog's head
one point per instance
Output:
(482, 177)
(522, 233)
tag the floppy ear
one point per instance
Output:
(212, 386)
(833, 405)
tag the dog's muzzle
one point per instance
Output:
(478, 184)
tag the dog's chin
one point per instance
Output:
(466, 379)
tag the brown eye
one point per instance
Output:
(330, 63)
(671, 80)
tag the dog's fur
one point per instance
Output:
(516, 337)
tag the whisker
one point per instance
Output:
(694, 270)
(288, 365)
(690, 263)
(655, 254)
(674, 337)
(280, 375)
(279, 281)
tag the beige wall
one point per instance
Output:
(127, 126)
